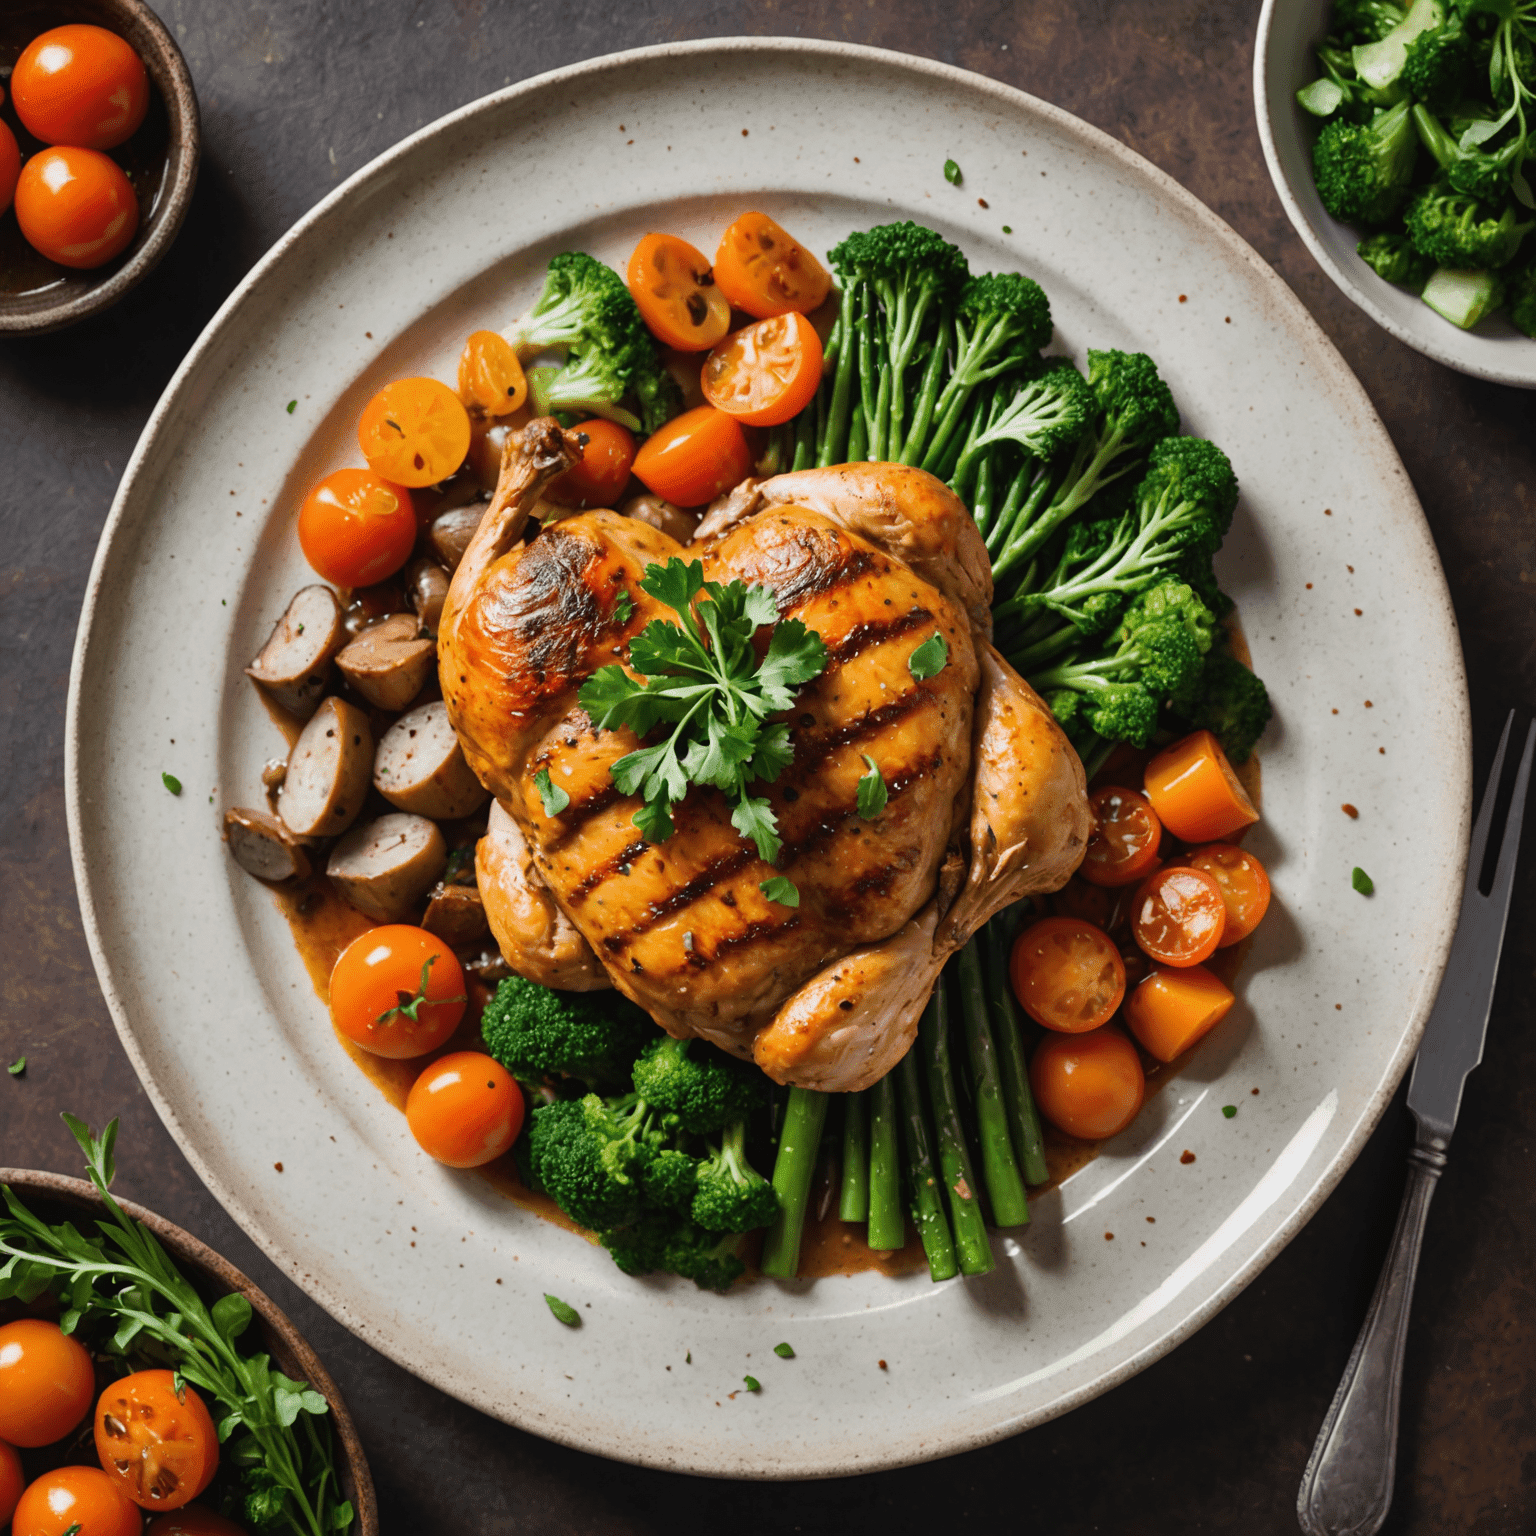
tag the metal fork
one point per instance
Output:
(1347, 1487)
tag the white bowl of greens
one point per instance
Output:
(1287, 62)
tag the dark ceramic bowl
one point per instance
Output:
(55, 1198)
(160, 159)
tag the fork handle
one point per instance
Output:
(1347, 1487)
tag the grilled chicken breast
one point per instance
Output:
(828, 993)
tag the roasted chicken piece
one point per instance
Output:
(986, 799)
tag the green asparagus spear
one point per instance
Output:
(923, 1173)
(1023, 1118)
(999, 1168)
(793, 1170)
(853, 1203)
(887, 1223)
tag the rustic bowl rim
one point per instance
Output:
(168, 70)
(192, 1251)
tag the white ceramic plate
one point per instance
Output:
(1283, 62)
(450, 231)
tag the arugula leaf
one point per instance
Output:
(930, 658)
(872, 791)
(563, 1310)
(782, 890)
(553, 798)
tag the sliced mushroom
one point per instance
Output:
(327, 776)
(420, 766)
(264, 847)
(426, 585)
(388, 662)
(452, 530)
(663, 516)
(385, 867)
(295, 663)
(456, 915)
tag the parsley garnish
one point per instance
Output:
(782, 890)
(753, 1384)
(952, 173)
(563, 1310)
(784, 1351)
(1362, 882)
(930, 658)
(872, 791)
(1229, 1110)
(18, 1066)
(704, 679)
(553, 797)
(291, 405)
(171, 782)
(74, 1530)
(623, 607)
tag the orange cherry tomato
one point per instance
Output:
(84, 1500)
(599, 477)
(1123, 844)
(397, 991)
(1088, 1085)
(194, 1520)
(1171, 1009)
(46, 1382)
(764, 270)
(766, 372)
(414, 432)
(10, 166)
(1243, 883)
(160, 1444)
(672, 283)
(80, 85)
(491, 379)
(76, 207)
(12, 1481)
(356, 528)
(465, 1109)
(1178, 916)
(1067, 974)
(1195, 793)
(694, 457)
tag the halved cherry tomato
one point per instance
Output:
(672, 283)
(764, 270)
(465, 1109)
(82, 1500)
(1178, 916)
(694, 457)
(10, 166)
(414, 432)
(598, 478)
(1172, 1009)
(12, 1481)
(397, 991)
(46, 1382)
(76, 206)
(1123, 844)
(194, 1520)
(158, 1442)
(356, 528)
(491, 379)
(1088, 1085)
(1195, 793)
(1067, 974)
(80, 85)
(1243, 883)
(765, 373)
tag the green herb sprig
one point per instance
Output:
(122, 1279)
(703, 678)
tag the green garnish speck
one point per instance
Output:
(18, 1066)
(554, 798)
(753, 1384)
(291, 405)
(1362, 882)
(930, 658)
(782, 890)
(564, 1312)
(784, 1351)
(171, 782)
(952, 173)
(1229, 1110)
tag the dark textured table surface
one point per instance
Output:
(296, 94)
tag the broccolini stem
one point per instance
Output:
(887, 1223)
(853, 1199)
(1031, 656)
(1023, 1118)
(959, 473)
(981, 497)
(858, 436)
(999, 1168)
(971, 1242)
(869, 375)
(912, 451)
(805, 439)
(879, 419)
(923, 1173)
(998, 537)
(793, 1170)
(834, 438)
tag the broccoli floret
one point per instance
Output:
(1363, 21)
(1362, 172)
(1521, 295)
(582, 301)
(1485, 174)
(1394, 258)
(673, 1244)
(535, 1032)
(705, 1089)
(670, 1179)
(1229, 701)
(1438, 70)
(589, 385)
(732, 1196)
(589, 1158)
(1454, 230)
(1049, 410)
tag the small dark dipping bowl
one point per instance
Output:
(160, 161)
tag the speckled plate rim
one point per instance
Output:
(1303, 1189)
